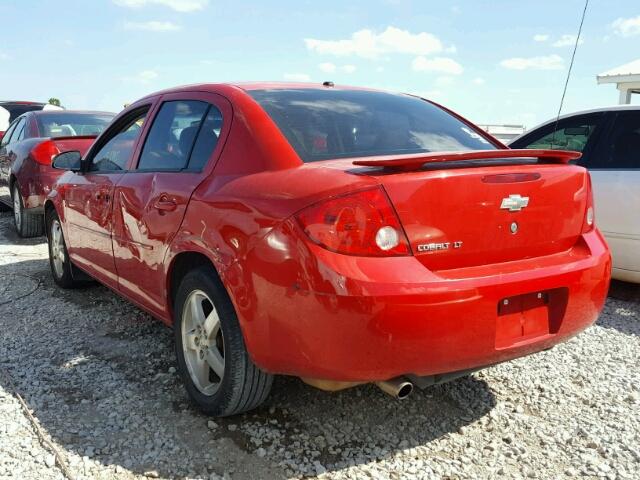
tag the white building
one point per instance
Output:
(504, 133)
(627, 79)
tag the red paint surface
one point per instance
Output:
(308, 311)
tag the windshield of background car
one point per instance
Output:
(325, 124)
(68, 124)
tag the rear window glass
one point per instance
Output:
(69, 124)
(324, 124)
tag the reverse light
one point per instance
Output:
(44, 152)
(589, 216)
(362, 223)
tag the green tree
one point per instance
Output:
(54, 101)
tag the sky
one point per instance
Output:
(502, 62)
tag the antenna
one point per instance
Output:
(566, 83)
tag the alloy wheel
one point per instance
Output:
(17, 208)
(203, 342)
(57, 248)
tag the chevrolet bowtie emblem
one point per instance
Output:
(514, 203)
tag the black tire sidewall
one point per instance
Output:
(235, 354)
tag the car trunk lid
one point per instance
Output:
(459, 212)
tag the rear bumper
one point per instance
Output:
(322, 315)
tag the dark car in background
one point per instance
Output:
(26, 150)
(10, 110)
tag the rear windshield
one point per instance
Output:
(325, 124)
(70, 124)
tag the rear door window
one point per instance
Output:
(572, 133)
(620, 148)
(172, 136)
(18, 132)
(206, 140)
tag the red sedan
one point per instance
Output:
(26, 151)
(340, 235)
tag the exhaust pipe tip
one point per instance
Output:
(396, 387)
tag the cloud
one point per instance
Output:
(297, 77)
(152, 26)
(540, 37)
(327, 67)
(444, 81)
(567, 41)
(145, 76)
(177, 5)
(627, 27)
(5, 56)
(368, 44)
(549, 62)
(478, 81)
(437, 64)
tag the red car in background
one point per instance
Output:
(26, 150)
(340, 235)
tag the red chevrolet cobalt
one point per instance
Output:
(340, 235)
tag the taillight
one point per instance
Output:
(589, 216)
(362, 223)
(44, 152)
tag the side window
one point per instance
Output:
(172, 135)
(207, 139)
(21, 130)
(17, 131)
(115, 154)
(571, 134)
(7, 135)
(621, 148)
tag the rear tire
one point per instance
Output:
(59, 261)
(26, 225)
(213, 361)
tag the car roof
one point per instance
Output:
(248, 86)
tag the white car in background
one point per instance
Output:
(609, 139)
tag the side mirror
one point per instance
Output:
(68, 161)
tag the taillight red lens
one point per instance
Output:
(362, 223)
(44, 152)
(589, 215)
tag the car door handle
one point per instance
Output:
(165, 204)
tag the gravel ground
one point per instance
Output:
(99, 377)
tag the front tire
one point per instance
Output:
(213, 361)
(26, 225)
(61, 266)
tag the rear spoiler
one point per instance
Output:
(415, 162)
(75, 137)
